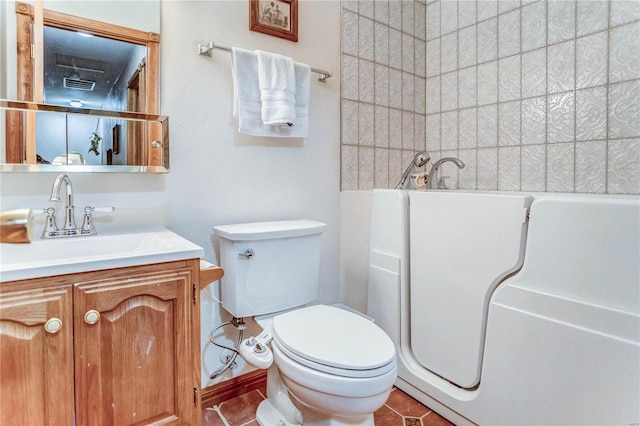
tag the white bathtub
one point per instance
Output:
(511, 308)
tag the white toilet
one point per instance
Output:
(331, 366)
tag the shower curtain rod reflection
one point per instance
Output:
(205, 49)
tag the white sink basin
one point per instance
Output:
(60, 256)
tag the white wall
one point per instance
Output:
(238, 178)
(217, 176)
(142, 15)
(355, 229)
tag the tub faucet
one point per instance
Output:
(419, 160)
(69, 222)
(436, 182)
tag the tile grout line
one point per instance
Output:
(608, 88)
(216, 408)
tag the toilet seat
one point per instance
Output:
(334, 341)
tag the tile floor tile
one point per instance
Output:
(405, 405)
(432, 419)
(211, 418)
(399, 410)
(239, 410)
(387, 417)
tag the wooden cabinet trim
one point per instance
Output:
(209, 275)
(36, 367)
(160, 302)
(74, 278)
(181, 276)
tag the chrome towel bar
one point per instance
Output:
(205, 49)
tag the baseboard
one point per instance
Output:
(228, 389)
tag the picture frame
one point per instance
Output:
(278, 18)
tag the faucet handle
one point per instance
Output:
(47, 210)
(87, 224)
(90, 209)
(50, 227)
(39, 211)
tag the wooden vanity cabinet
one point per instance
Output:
(123, 354)
(36, 365)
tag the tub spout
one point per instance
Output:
(433, 180)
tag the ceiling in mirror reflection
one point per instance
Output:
(86, 70)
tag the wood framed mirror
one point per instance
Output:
(59, 65)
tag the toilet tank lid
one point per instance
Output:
(269, 230)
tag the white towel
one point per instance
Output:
(247, 107)
(246, 100)
(276, 77)
(300, 127)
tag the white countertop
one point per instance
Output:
(42, 258)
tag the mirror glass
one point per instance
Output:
(95, 55)
(91, 71)
(71, 139)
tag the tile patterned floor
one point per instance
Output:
(399, 410)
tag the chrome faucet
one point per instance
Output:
(436, 182)
(69, 222)
(70, 229)
(419, 160)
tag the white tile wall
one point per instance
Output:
(532, 95)
(385, 88)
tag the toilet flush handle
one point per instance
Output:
(248, 253)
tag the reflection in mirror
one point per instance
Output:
(76, 70)
(115, 68)
(92, 55)
(87, 140)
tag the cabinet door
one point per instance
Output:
(36, 357)
(133, 357)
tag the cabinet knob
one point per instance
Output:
(92, 317)
(53, 325)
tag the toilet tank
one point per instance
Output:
(269, 266)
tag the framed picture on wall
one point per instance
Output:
(278, 18)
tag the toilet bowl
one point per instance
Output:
(331, 366)
(337, 367)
